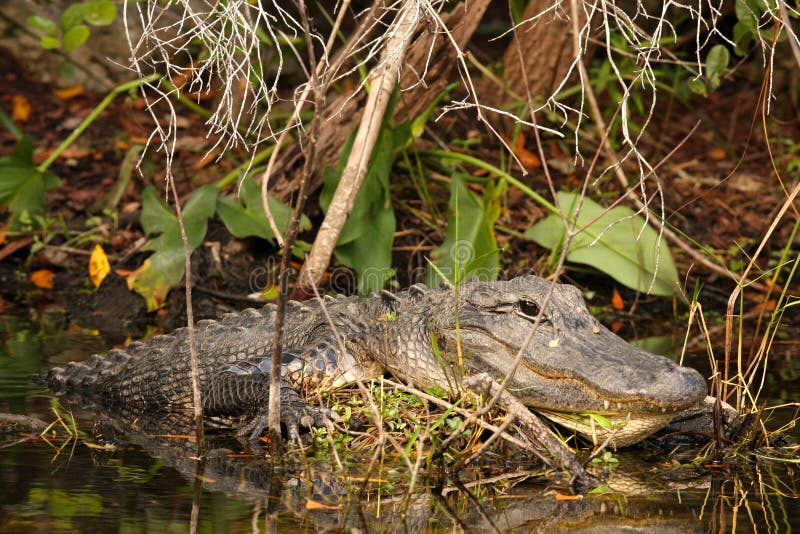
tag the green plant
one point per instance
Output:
(70, 32)
(617, 242)
(22, 187)
(365, 243)
(470, 246)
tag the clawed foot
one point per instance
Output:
(295, 413)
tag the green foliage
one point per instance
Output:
(716, 64)
(365, 243)
(606, 460)
(166, 267)
(70, 31)
(246, 217)
(22, 187)
(746, 30)
(470, 247)
(617, 242)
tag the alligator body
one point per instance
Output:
(569, 363)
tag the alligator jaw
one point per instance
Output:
(572, 364)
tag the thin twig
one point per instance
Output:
(274, 421)
(187, 262)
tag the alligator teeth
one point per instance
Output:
(663, 410)
(619, 406)
(606, 404)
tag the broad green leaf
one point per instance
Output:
(75, 37)
(43, 24)
(747, 14)
(72, 16)
(247, 218)
(717, 62)
(365, 243)
(470, 247)
(165, 267)
(22, 185)
(618, 243)
(100, 12)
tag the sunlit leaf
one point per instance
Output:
(20, 108)
(98, 266)
(50, 43)
(75, 37)
(165, 267)
(69, 93)
(617, 242)
(43, 24)
(72, 16)
(246, 218)
(100, 12)
(42, 279)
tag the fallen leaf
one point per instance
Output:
(205, 160)
(98, 266)
(69, 93)
(314, 505)
(528, 159)
(565, 497)
(20, 108)
(42, 279)
(717, 154)
(74, 151)
(616, 301)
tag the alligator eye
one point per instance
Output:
(528, 308)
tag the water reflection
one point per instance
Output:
(140, 475)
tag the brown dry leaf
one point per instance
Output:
(98, 266)
(42, 279)
(108, 447)
(20, 108)
(617, 301)
(314, 505)
(205, 160)
(74, 152)
(717, 154)
(68, 93)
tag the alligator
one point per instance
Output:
(567, 363)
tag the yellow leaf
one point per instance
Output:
(69, 92)
(149, 283)
(42, 279)
(20, 108)
(98, 266)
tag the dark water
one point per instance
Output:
(154, 485)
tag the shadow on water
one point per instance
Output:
(140, 476)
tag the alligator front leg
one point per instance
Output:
(231, 393)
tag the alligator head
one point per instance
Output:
(570, 364)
